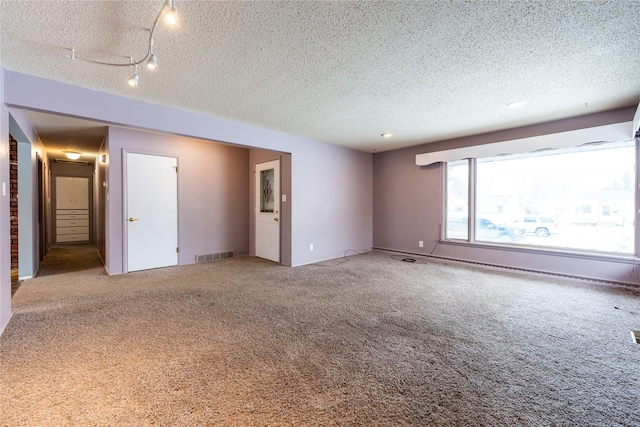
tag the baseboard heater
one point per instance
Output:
(546, 273)
(213, 257)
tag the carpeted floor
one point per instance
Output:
(370, 342)
(64, 259)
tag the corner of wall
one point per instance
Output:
(5, 231)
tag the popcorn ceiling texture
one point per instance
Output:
(346, 71)
(369, 342)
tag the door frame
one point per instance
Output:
(125, 207)
(42, 212)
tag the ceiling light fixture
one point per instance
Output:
(515, 104)
(386, 135)
(152, 63)
(168, 9)
(171, 16)
(133, 80)
(72, 155)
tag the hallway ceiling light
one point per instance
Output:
(386, 135)
(168, 9)
(72, 155)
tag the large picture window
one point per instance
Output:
(580, 198)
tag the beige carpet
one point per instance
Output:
(370, 342)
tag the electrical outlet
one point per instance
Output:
(310, 246)
(420, 244)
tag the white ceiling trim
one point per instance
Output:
(614, 132)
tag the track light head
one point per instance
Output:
(152, 62)
(133, 80)
(171, 15)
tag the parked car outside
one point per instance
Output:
(541, 226)
(486, 231)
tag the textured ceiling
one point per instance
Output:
(346, 71)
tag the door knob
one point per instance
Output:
(275, 219)
(133, 219)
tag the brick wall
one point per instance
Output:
(13, 199)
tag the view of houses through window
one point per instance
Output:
(574, 198)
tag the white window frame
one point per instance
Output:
(471, 238)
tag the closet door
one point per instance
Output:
(72, 210)
(80, 188)
(64, 193)
(72, 193)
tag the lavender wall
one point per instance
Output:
(213, 186)
(5, 230)
(334, 185)
(27, 213)
(100, 199)
(407, 207)
(30, 148)
(331, 193)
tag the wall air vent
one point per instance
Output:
(213, 257)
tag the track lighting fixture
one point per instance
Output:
(133, 80)
(168, 9)
(152, 62)
(171, 16)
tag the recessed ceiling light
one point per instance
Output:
(515, 104)
(386, 135)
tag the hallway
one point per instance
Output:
(63, 259)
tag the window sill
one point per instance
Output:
(577, 254)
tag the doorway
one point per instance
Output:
(151, 211)
(268, 210)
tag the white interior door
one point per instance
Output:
(268, 210)
(151, 211)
